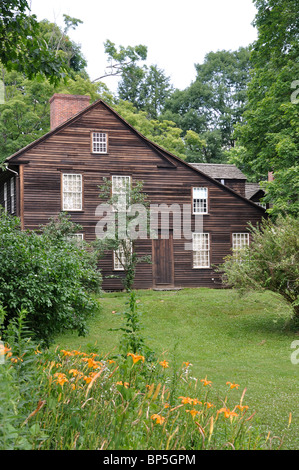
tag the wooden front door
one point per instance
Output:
(163, 265)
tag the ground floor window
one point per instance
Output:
(201, 250)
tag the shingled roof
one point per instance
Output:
(220, 170)
(251, 189)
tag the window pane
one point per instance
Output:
(99, 142)
(201, 250)
(240, 240)
(200, 200)
(72, 192)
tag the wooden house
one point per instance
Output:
(62, 171)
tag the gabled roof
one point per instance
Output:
(251, 189)
(171, 159)
(220, 170)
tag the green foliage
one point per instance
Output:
(20, 379)
(47, 276)
(164, 133)
(269, 128)
(270, 262)
(23, 47)
(58, 40)
(213, 104)
(132, 339)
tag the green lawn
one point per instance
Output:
(228, 338)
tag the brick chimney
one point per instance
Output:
(63, 107)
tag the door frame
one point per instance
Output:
(154, 264)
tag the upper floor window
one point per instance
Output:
(240, 240)
(99, 142)
(200, 200)
(201, 250)
(71, 192)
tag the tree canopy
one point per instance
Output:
(23, 47)
(268, 131)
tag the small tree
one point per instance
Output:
(124, 205)
(47, 276)
(270, 262)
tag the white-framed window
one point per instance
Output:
(121, 185)
(99, 142)
(240, 240)
(76, 238)
(71, 192)
(201, 250)
(200, 200)
(5, 196)
(12, 195)
(119, 256)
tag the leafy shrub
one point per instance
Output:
(270, 262)
(46, 275)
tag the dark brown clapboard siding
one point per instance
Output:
(68, 150)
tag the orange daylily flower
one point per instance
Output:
(164, 364)
(193, 412)
(125, 384)
(159, 419)
(136, 357)
(233, 385)
(209, 405)
(227, 412)
(187, 364)
(242, 407)
(205, 381)
(60, 378)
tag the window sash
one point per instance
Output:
(200, 200)
(201, 250)
(76, 238)
(240, 240)
(119, 257)
(72, 192)
(121, 185)
(99, 142)
(12, 195)
(5, 196)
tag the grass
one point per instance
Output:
(225, 337)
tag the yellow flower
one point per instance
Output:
(233, 385)
(164, 364)
(159, 419)
(37, 351)
(205, 381)
(136, 357)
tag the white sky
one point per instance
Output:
(177, 34)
